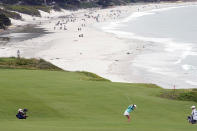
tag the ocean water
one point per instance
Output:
(169, 36)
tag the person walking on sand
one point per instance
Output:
(18, 53)
(129, 110)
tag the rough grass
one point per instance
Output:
(65, 101)
(184, 95)
(26, 9)
(18, 63)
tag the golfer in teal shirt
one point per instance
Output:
(129, 110)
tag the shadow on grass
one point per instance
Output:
(91, 76)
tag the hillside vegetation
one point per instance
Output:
(27, 9)
(10, 14)
(186, 95)
(22, 63)
(77, 3)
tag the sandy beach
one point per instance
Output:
(78, 43)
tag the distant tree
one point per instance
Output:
(68, 1)
(103, 2)
(106, 3)
(33, 2)
(77, 3)
(10, 1)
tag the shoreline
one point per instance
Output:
(141, 70)
(98, 52)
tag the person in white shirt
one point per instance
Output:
(193, 118)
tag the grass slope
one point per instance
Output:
(67, 101)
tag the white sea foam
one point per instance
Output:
(133, 16)
(136, 15)
(131, 35)
(170, 45)
(166, 9)
(149, 68)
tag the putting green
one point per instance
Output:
(68, 101)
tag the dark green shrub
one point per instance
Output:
(56, 8)
(30, 10)
(9, 14)
(4, 21)
(189, 96)
(183, 95)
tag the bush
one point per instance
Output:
(43, 8)
(24, 62)
(88, 5)
(4, 21)
(9, 14)
(183, 95)
(189, 96)
(30, 10)
(68, 6)
(56, 8)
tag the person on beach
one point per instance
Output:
(18, 53)
(193, 118)
(129, 110)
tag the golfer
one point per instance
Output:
(129, 110)
(193, 118)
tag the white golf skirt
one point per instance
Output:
(126, 113)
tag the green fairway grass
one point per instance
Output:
(68, 101)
